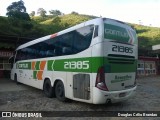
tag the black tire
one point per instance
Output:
(59, 91)
(15, 79)
(48, 89)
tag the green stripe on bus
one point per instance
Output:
(86, 65)
(34, 74)
(49, 64)
(78, 65)
(119, 67)
(37, 67)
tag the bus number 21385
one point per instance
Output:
(76, 65)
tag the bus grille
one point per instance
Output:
(121, 59)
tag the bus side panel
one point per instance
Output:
(97, 52)
(79, 79)
(46, 75)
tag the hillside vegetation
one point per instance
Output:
(41, 26)
(147, 36)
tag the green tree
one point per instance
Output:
(55, 12)
(56, 20)
(17, 10)
(32, 13)
(42, 12)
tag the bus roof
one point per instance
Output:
(93, 21)
(58, 33)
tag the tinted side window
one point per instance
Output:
(60, 45)
(82, 38)
(66, 44)
(29, 52)
(20, 55)
(72, 42)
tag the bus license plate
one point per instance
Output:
(122, 94)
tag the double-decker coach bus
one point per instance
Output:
(93, 62)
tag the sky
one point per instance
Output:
(145, 12)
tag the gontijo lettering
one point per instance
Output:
(24, 65)
(116, 33)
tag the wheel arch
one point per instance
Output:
(45, 79)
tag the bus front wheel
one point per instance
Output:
(15, 79)
(48, 89)
(59, 91)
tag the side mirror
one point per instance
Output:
(11, 59)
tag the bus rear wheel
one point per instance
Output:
(59, 91)
(48, 89)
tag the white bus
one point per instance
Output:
(93, 62)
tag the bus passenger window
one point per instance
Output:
(83, 37)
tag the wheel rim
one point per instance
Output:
(60, 90)
(47, 88)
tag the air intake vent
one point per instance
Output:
(121, 59)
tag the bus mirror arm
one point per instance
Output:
(10, 60)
